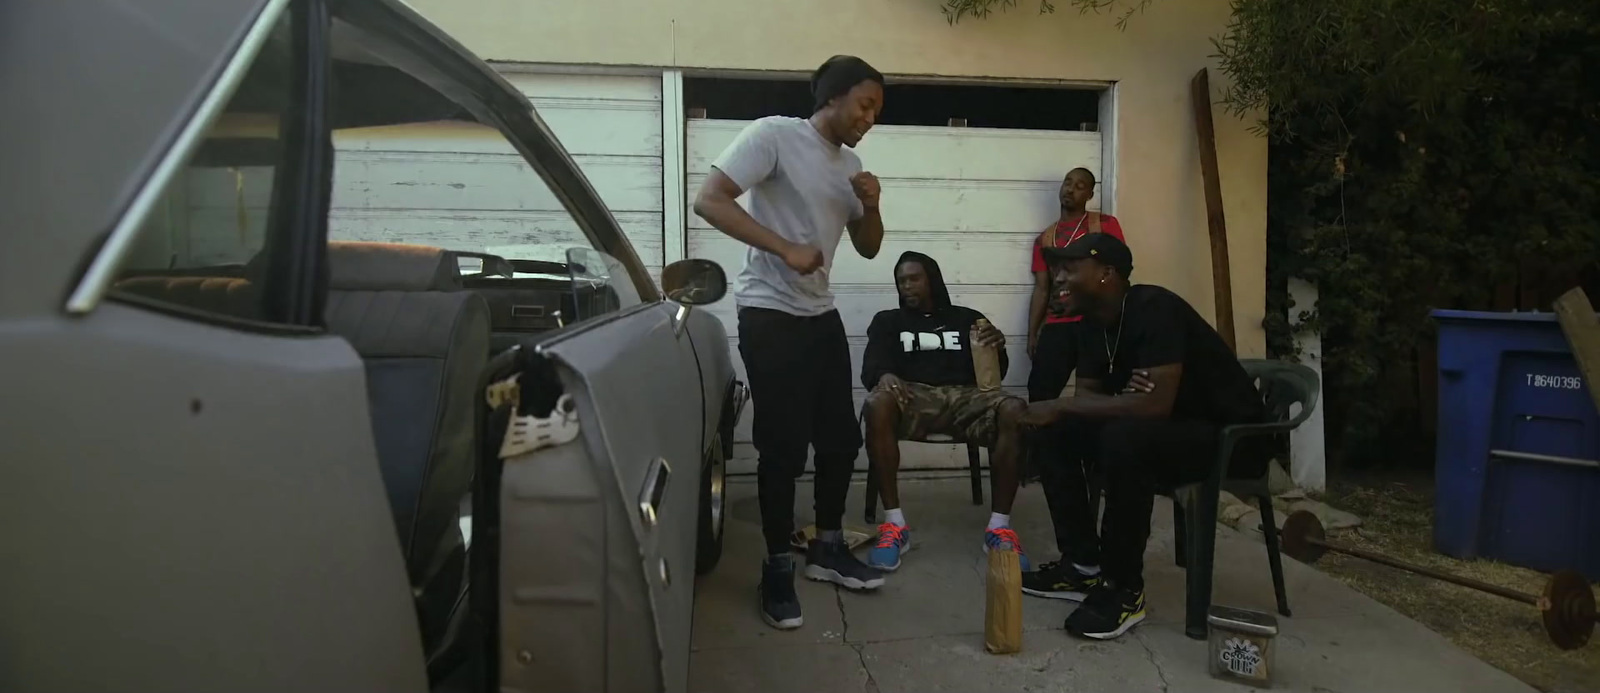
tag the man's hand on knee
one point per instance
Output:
(892, 385)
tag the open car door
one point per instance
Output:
(599, 476)
(606, 399)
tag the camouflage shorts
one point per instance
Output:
(961, 412)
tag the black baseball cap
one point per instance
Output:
(1101, 247)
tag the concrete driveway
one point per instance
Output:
(923, 631)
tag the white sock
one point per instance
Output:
(1090, 570)
(827, 535)
(996, 520)
(894, 516)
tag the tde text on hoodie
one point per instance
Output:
(933, 347)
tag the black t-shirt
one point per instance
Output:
(1158, 328)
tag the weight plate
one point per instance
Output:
(1567, 606)
(1299, 536)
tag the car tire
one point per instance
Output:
(713, 509)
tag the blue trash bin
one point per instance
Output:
(1517, 468)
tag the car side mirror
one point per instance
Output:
(694, 282)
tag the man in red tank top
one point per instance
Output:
(1051, 341)
(1052, 334)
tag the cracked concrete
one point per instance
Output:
(1155, 661)
(923, 631)
(844, 616)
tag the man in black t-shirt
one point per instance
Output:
(1155, 386)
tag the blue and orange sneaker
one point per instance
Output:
(1006, 538)
(893, 541)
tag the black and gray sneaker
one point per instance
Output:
(1058, 580)
(780, 606)
(1106, 613)
(831, 561)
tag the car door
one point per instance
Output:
(618, 506)
(191, 495)
(592, 519)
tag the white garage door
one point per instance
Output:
(973, 199)
(465, 188)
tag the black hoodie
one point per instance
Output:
(932, 348)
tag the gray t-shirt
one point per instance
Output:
(798, 184)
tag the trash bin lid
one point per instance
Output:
(1500, 316)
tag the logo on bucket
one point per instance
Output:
(1241, 657)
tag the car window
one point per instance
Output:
(200, 247)
(412, 165)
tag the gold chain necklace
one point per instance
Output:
(1073, 234)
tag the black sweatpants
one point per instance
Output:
(1054, 359)
(800, 390)
(1138, 458)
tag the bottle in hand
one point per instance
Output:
(985, 359)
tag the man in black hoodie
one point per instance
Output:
(918, 365)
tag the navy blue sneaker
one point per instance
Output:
(780, 606)
(831, 561)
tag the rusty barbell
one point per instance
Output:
(1566, 604)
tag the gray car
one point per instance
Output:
(249, 442)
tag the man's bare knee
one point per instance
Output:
(1010, 412)
(882, 411)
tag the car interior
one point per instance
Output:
(433, 327)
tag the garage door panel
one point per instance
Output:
(592, 115)
(965, 259)
(228, 188)
(621, 88)
(1005, 306)
(957, 206)
(900, 151)
(628, 131)
(528, 235)
(421, 180)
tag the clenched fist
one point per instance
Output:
(803, 258)
(866, 187)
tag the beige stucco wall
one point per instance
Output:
(1158, 188)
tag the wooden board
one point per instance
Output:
(1582, 329)
(1221, 279)
(854, 537)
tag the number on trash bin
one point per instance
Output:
(1558, 382)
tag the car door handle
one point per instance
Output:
(680, 318)
(654, 490)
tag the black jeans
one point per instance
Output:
(801, 394)
(1054, 359)
(1138, 458)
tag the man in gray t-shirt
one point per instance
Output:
(806, 188)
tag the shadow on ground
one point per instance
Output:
(923, 632)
